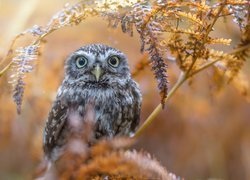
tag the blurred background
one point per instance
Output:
(202, 133)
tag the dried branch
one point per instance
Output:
(182, 78)
(5, 69)
(158, 109)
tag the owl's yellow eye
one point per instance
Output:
(114, 61)
(81, 62)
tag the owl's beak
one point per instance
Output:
(97, 71)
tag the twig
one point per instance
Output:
(10, 51)
(5, 69)
(210, 27)
(240, 49)
(181, 80)
(215, 19)
(204, 67)
(37, 41)
(194, 59)
(235, 51)
(158, 109)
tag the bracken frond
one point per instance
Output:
(23, 57)
(185, 31)
(159, 68)
(22, 64)
(190, 16)
(239, 10)
(231, 63)
(150, 36)
(179, 27)
(219, 41)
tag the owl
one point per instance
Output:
(96, 76)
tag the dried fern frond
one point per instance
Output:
(22, 57)
(191, 17)
(239, 10)
(150, 36)
(220, 41)
(22, 63)
(188, 24)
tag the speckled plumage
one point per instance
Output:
(115, 98)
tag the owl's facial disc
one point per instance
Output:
(97, 64)
(97, 72)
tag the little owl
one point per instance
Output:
(96, 75)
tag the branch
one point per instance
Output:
(5, 69)
(10, 53)
(157, 110)
(203, 67)
(181, 80)
(215, 19)
(234, 51)
(240, 49)
(210, 27)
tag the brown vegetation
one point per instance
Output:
(187, 36)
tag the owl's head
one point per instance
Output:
(97, 63)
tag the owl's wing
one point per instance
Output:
(55, 122)
(136, 106)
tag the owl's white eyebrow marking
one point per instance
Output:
(81, 52)
(102, 55)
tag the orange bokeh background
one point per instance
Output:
(202, 133)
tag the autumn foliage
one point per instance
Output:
(178, 39)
